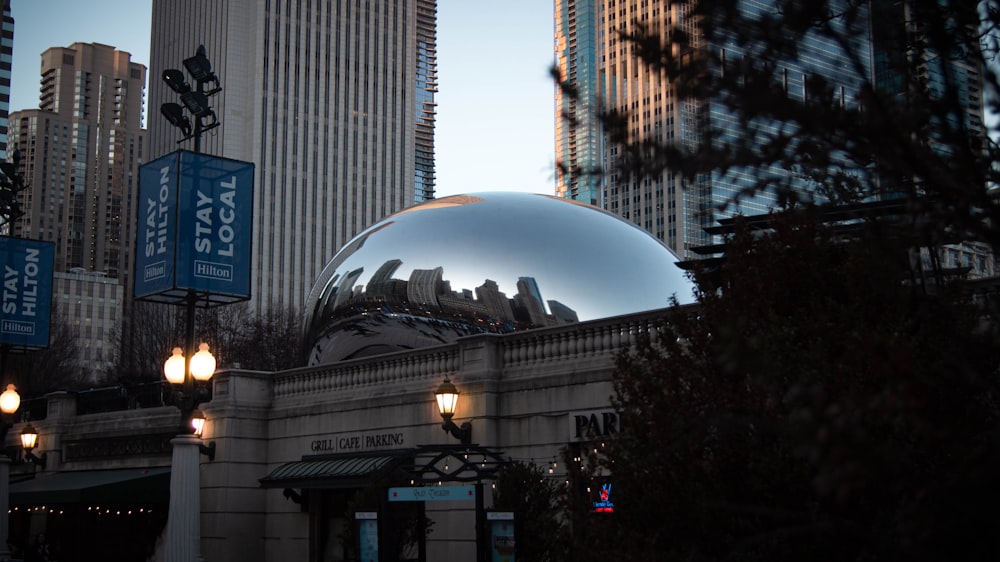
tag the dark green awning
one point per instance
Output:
(131, 485)
(333, 471)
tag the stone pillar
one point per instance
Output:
(4, 505)
(183, 533)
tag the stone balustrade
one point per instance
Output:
(519, 353)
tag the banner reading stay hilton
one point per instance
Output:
(27, 292)
(194, 228)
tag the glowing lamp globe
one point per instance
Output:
(10, 400)
(202, 364)
(173, 369)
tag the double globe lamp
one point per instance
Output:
(202, 366)
(10, 401)
(189, 390)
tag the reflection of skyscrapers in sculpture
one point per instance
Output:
(527, 306)
(496, 302)
(346, 291)
(426, 291)
(424, 286)
(383, 285)
(531, 287)
(562, 313)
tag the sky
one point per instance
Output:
(495, 120)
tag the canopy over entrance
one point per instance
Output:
(336, 471)
(148, 485)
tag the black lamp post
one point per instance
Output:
(189, 376)
(189, 371)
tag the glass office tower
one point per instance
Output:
(605, 72)
(579, 145)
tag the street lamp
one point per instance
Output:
(198, 423)
(189, 376)
(10, 401)
(186, 370)
(447, 400)
(29, 440)
(197, 427)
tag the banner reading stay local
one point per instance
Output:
(194, 227)
(27, 292)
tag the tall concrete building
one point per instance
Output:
(333, 101)
(81, 151)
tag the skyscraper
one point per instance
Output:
(603, 69)
(579, 145)
(6, 58)
(81, 151)
(333, 101)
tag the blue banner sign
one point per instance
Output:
(432, 493)
(27, 292)
(195, 227)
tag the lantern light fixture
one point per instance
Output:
(447, 400)
(29, 440)
(198, 427)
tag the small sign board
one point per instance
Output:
(432, 493)
(499, 515)
(367, 533)
(502, 539)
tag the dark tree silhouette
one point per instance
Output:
(237, 338)
(824, 399)
(527, 491)
(811, 406)
(57, 367)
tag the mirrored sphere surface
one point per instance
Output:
(486, 262)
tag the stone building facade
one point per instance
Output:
(270, 492)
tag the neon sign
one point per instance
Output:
(604, 504)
